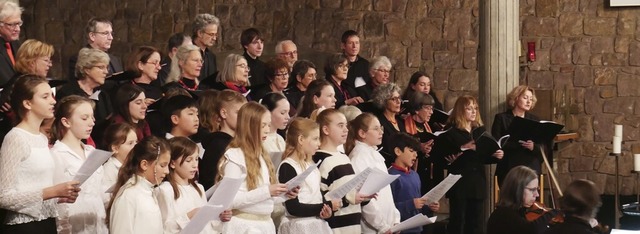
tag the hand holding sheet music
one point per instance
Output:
(224, 192)
(436, 193)
(376, 181)
(205, 215)
(415, 221)
(94, 160)
(355, 183)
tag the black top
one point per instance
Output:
(389, 131)
(504, 220)
(294, 207)
(150, 90)
(365, 91)
(209, 66)
(571, 225)
(214, 144)
(358, 68)
(186, 84)
(164, 72)
(115, 65)
(6, 67)
(473, 184)
(343, 91)
(294, 96)
(258, 92)
(257, 69)
(514, 154)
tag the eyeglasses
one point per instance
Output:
(197, 60)
(244, 65)
(343, 66)
(101, 67)
(533, 190)
(211, 34)
(281, 74)
(156, 63)
(427, 107)
(13, 25)
(290, 53)
(383, 71)
(395, 99)
(105, 33)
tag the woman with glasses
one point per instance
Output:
(519, 101)
(91, 72)
(277, 74)
(336, 69)
(234, 75)
(387, 100)
(379, 70)
(145, 66)
(185, 69)
(302, 74)
(518, 193)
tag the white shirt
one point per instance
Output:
(135, 209)
(87, 214)
(274, 145)
(379, 214)
(174, 211)
(256, 201)
(26, 168)
(110, 176)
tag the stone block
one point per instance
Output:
(304, 27)
(596, 60)
(54, 32)
(446, 59)
(463, 80)
(605, 76)
(582, 164)
(628, 85)
(561, 53)
(457, 24)
(585, 130)
(330, 3)
(581, 53)
(440, 79)
(470, 58)
(427, 51)
(634, 53)
(547, 8)
(616, 59)
(416, 9)
(161, 33)
(569, 5)
(592, 103)
(619, 105)
(400, 30)
(602, 127)
(627, 25)
(543, 61)
(429, 29)
(243, 16)
(582, 76)
(362, 5)
(600, 26)
(563, 79)
(539, 27)
(373, 26)
(447, 4)
(541, 80)
(382, 5)
(600, 45)
(414, 56)
(622, 44)
(570, 24)
(607, 92)
(400, 6)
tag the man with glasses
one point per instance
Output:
(288, 51)
(205, 33)
(99, 35)
(358, 66)
(10, 24)
(253, 43)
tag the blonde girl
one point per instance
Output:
(365, 134)
(245, 157)
(133, 207)
(306, 212)
(180, 197)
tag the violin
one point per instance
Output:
(537, 210)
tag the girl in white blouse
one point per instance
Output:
(365, 133)
(26, 166)
(120, 139)
(73, 123)
(246, 157)
(306, 212)
(133, 208)
(180, 197)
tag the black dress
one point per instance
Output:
(514, 154)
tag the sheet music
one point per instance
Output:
(299, 179)
(200, 150)
(376, 181)
(620, 231)
(415, 221)
(355, 183)
(203, 217)
(502, 140)
(224, 191)
(94, 160)
(437, 192)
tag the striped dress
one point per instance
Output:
(336, 170)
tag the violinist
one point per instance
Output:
(580, 203)
(517, 195)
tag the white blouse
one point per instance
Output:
(274, 145)
(257, 201)
(110, 177)
(174, 211)
(379, 214)
(26, 168)
(87, 214)
(135, 209)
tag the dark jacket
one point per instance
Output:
(257, 69)
(387, 136)
(115, 65)
(358, 68)
(209, 67)
(6, 67)
(343, 91)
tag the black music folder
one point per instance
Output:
(522, 129)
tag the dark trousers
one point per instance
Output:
(47, 226)
(465, 216)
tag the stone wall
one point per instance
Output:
(437, 36)
(592, 51)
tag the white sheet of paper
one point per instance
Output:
(359, 81)
(437, 192)
(620, 231)
(376, 181)
(415, 221)
(95, 95)
(200, 150)
(94, 160)
(299, 179)
(205, 215)
(355, 183)
(225, 191)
